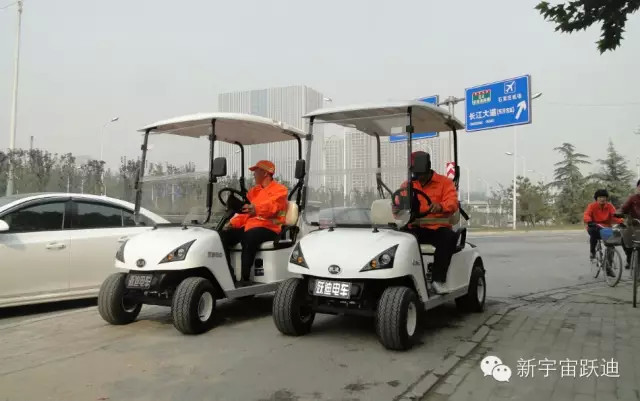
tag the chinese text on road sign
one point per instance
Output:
(499, 104)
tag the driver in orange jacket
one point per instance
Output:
(435, 228)
(261, 220)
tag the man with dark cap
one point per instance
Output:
(435, 228)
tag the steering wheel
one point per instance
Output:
(235, 200)
(415, 204)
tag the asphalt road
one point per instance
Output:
(73, 355)
(525, 263)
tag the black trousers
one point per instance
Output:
(444, 239)
(250, 240)
(594, 236)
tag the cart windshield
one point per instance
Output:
(342, 188)
(175, 179)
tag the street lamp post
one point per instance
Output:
(104, 127)
(14, 104)
(515, 154)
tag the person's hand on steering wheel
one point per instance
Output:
(435, 208)
(415, 203)
(250, 209)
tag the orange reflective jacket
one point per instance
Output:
(271, 208)
(601, 214)
(440, 190)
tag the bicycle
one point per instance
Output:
(634, 263)
(606, 261)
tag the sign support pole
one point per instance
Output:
(515, 173)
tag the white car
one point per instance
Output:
(61, 246)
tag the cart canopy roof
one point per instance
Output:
(390, 118)
(247, 129)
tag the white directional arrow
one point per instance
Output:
(521, 107)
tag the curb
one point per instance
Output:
(430, 379)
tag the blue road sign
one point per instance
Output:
(498, 104)
(422, 135)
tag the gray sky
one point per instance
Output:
(83, 62)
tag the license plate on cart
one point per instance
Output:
(139, 281)
(332, 289)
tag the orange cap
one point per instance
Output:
(265, 165)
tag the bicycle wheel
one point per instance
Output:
(636, 276)
(613, 262)
(596, 265)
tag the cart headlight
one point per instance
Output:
(120, 253)
(297, 258)
(178, 254)
(383, 260)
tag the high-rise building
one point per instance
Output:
(334, 156)
(286, 104)
(360, 155)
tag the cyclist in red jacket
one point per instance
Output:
(597, 215)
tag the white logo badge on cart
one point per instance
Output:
(334, 269)
(140, 263)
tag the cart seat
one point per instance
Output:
(291, 220)
(427, 249)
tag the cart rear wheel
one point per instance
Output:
(292, 314)
(397, 318)
(474, 299)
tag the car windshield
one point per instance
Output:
(342, 194)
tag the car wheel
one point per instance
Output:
(397, 318)
(113, 304)
(193, 305)
(474, 299)
(292, 315)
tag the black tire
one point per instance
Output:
(292, 314)
(472, 301)
(392, 317)
(186, 303)
(636, 277)
(113, 305)
(616, 261)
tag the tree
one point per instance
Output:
(579, 15)
(570, 182)
(41, 164)
(128, 174)
(67, 172)
(614, 175)
(92, 176)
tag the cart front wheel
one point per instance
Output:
(397, 318)
(292, 314)
(193, 306)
